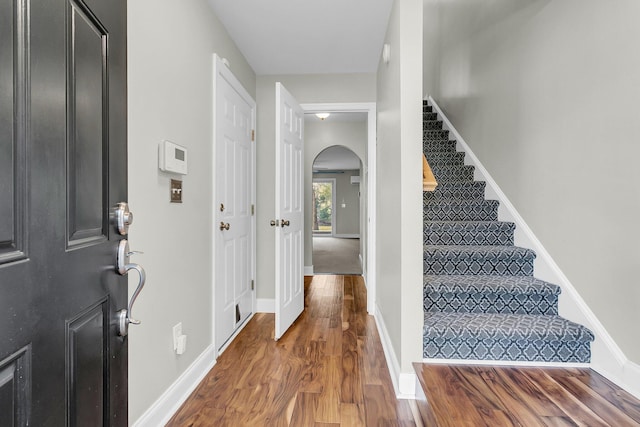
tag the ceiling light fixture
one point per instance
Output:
(322, 116)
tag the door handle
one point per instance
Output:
(123, 267)
(284, 222)
(224, 226)
(275, 222)
(124, 315)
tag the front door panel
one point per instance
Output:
(62, 168)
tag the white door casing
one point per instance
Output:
(234, 195)
(289, 210)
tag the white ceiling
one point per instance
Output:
(307, 37)
(336, 158)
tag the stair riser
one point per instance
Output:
(480, 238)
(512, 303)
(478, 266)
(427, 109)
(429, 116)
(485, 211)
(507, 350)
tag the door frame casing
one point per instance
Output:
(220, 70)
(370, 109)
(333, 203)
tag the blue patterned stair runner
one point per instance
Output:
(480, 299)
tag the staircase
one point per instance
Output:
(481, 301)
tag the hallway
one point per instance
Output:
(328, 369)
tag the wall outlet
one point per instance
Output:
(177, 332)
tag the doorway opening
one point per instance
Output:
(323, 200)
(368, 182)
(336, 204)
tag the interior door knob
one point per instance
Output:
(224, 226)
(284, 222)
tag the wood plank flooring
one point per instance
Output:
(327, 370)
(461, 395)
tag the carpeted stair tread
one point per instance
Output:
(489, 294)
(431, 125)
(429, 116)
(452, 191)
(458, 251)
(503, 326)
(432, 146)
(468, 233)
(478, 260)
(455, 210)
(435, 135)
(453, 172)
(493, 284)
(446, 158)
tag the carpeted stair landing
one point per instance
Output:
(481, 301)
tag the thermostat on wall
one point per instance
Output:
(172, 157)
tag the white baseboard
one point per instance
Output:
(606, 356)
(347, 236)
(308, 270)
(404, 383)
(163, 409)
(265, 305)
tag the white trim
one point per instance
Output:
(308, 270)
(370, 109)
(404, 383)
(347, 236)
(170, 401)
(265, 305)
(220, 70)
(606, 356)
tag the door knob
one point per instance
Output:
(123, 217)
(284, 222)
(224, 226)
(275, 222)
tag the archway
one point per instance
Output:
(336, 212)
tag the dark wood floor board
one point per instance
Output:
(516, 408)
(454, 395)
(313, 376)
(580, 413)
(452, 407)
(610, 413)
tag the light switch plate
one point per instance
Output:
(176, 191)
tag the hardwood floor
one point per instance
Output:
(460, 396)
(327, 370)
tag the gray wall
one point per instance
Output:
(306, 89)
(399, 188)
(546, 94)
(170, 51)
(347, 219)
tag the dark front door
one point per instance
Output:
(62, 168)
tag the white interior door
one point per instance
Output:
(289, 210)
(233, 226)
